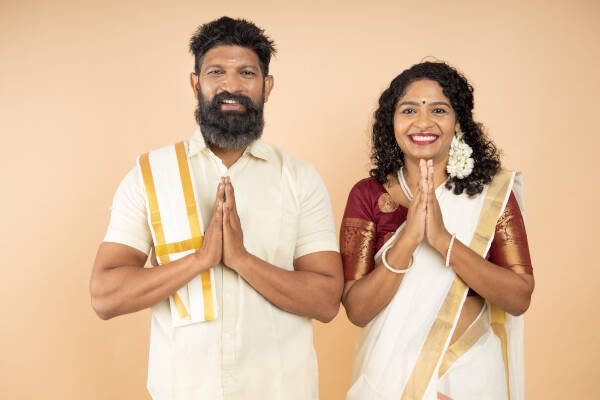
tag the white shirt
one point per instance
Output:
(253, 350)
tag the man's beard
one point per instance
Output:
(229, 129)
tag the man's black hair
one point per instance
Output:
(233, 32)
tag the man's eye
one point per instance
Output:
(215, 72)
(248, 73)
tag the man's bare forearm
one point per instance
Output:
(127, 287)
(307, 293)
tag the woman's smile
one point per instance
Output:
(423, 139)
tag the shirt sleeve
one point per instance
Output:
(128, 219)
(509, 248)
(358, 234)
(316, 230)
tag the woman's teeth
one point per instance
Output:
(423, 138)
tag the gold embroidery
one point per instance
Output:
(357, 246)
(386, 203)
(510, 229)
(509, 248)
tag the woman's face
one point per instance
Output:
(425, 122)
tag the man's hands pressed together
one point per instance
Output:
(211, 251)
(224, 238)
(234, 252)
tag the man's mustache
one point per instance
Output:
(220, 98)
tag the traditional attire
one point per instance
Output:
(217, 337)
(404, 351)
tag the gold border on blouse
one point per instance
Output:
(358, 233)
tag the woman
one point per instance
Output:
(435, 253)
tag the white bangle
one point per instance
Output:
(392, 269)
(450, 250)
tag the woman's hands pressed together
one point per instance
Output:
(435, 231)
(424, 220)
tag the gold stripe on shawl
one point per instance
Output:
(442, 326)
(466, 341)
(156, 222)
(194, 221)
(178, 247)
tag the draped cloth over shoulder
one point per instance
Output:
(177, 230)
(404, 352)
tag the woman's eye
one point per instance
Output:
(439, 111)
(409, 111)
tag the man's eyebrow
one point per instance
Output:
(251, 66)
(213, 66)
(247, 66)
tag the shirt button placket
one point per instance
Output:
(228, 334)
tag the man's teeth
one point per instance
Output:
(423, 138)
(230, 102)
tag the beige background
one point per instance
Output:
(85, 88)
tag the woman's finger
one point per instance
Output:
(430, 175)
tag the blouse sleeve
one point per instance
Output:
(357, 235)
(510, 248)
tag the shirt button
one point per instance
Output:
(227, 295)
(227, 335)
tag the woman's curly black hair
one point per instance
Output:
(386, 154)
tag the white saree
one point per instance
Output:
(404, 352)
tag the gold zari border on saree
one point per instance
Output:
(442, 326)
(466, 341)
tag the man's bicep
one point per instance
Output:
(113, 255)
(328, 263)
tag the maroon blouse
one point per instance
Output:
(372, 217)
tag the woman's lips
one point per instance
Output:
(423, 139)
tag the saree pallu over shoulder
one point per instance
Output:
(401, 351)
(177, 230)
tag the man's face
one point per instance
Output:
(231, 92)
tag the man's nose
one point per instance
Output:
(231, 83)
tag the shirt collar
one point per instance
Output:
(258, 148)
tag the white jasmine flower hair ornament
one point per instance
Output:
(460, 162)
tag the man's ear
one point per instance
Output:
(268, 86)
(194, 82)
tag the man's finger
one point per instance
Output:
(220, 192)
(218, 214)
(226, 217)
(230, 192)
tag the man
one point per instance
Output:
(232, 304)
